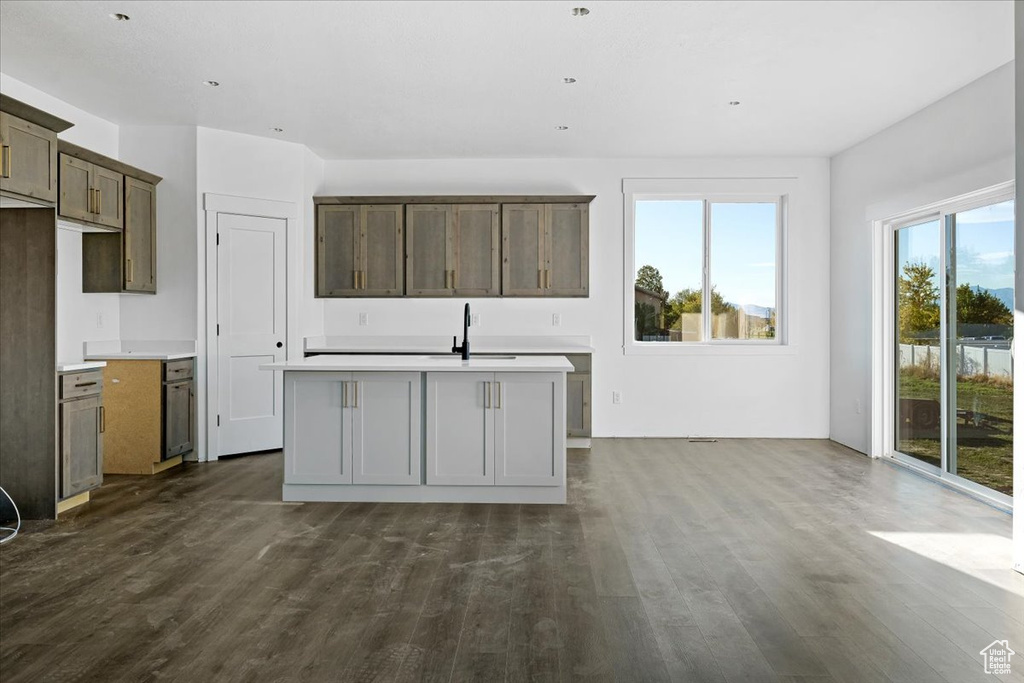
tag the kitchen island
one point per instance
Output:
(429, 428)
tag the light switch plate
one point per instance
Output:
(556, 319)
(364, 319)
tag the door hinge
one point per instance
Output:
(218, 329)
(218, 239)
(218, 420)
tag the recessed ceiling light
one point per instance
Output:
(277, 130)
(580, 11)
(120, 17)
(570, 79)
(212, 84)
(561, 127)
(734, 103)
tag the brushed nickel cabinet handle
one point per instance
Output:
(540, 276)
(547, 278)
(487, 395)
(103, 419)
(99, 201)
(344, 394)
(131, 270)
(355, 387)
(5, 160)
(498, 387)
(355, 279)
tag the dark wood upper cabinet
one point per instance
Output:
(90, 193)
(139, 236)
(28, 152)
(359, 250)
(465, 245)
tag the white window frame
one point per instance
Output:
(883, 416)
(712, 190)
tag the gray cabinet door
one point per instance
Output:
(139, 236)
(477, 250)
(81, 438)
(76, 197)
(387, 443)
(338, 248)
(178, 419)
(381, 249)
(460, 428)
(529, 442)
(28, 161)
(429, 249)
(567, 250)
(523, 259)
(577, 409)
(108, 197)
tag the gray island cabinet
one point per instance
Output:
(425, 429)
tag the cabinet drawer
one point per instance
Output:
(580, 363)
(80, 384)
(175, 370)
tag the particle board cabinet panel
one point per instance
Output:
(28, 159)
(460, 428)
(386, 437)
(28, 401)
(338, 249)
(477, 242)
(430, 249)
(76, 194)
(82, 425)
(139, 236)
(108, 197)
(529, 440)
(381, 249)
(133, 392)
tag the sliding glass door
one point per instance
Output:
(952, 370)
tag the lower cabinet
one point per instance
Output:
(353, 427)
(179, 411)
(503, 429)
(81, 432)
(577, 397)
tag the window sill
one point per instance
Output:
(705, 349)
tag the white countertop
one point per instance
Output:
(81, 366)
(140, 349)
(406, 363)
(443, 344)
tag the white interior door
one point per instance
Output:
(251, 331)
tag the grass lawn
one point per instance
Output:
(984, 440)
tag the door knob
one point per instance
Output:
(279, 344)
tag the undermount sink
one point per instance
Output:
(449, 356)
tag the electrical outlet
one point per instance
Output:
(99, 321)
(364, 319)
(857, 406)
(616, 397)
(474, 319)
(556, 319)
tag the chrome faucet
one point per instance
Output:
(464, 349)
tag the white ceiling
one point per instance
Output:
(484, 79)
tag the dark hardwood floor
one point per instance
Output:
(749, 560)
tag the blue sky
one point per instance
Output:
(668, 237)
(984, 246)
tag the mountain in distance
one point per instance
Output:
(1004, 294)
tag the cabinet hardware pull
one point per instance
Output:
(498, 387)
(131, 270)
(355, 279)
(5, 160)
(540, 276)
(487, 394)
(86, 384)
(103, 419)
(362, 277)
(547, 278)
(455, 279)
(344, 394)
(99, 201)
(355, 387)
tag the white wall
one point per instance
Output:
(170, 314)
(782, 395)
(961, 143)
(80, 317)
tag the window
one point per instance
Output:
(706, 269)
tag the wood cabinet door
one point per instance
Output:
(529, 429)
(178, 419)
(567, 250)
(523, 258)
(429, 249)
(29, 159)
(386, 438)
(317, 428)
(477, 250)
(382, 249)
(139, 236)
(108, 197)
(76, 199)
(460, 428)
(577, 404)
(337, 250)
(81, 441)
